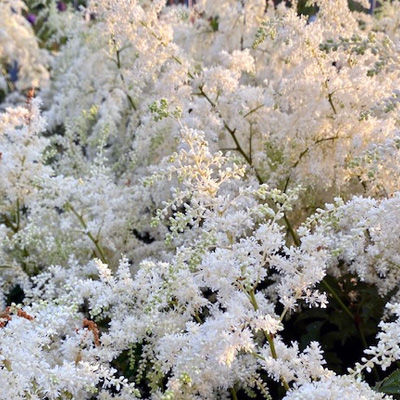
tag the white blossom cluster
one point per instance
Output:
(362, 236)
(23, 64)
(386, 351)
(194, 180)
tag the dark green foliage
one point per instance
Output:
(343, 339)
(390, 385)
(16, 296)
(214, 23)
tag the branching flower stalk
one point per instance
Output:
(202, 93)
(232, 132)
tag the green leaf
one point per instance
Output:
(391, 385)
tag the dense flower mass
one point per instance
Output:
(201, 202)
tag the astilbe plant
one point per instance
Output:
(200, 183)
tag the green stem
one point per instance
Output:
(257, 355)
(253, 110)
(197, 317)
(152, 33)
(15, 227)
(232, 132)
(129, 97)
(18, 217)
(343, 306)
(213, 105)
(95, 241)
(302, 154)
(271, 343)
(331, 103)
(9, 224)
(284, 312)
(204, 94)
(330, 99)
(362, 336)
(365, 344)
(269, 337)
(253, 300)
(356, 323)
(251, 145)
(286, 184)
(233, 393)
(292, 232)
(132, 104)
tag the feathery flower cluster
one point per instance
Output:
(183, 219)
